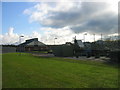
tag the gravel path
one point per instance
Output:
(43, 55)
(103, 59)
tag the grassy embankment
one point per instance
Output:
(27, 71)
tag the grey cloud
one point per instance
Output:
(104, 24)
(89, 17)
(64, 19)
(76, 14)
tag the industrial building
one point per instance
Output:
(68, 49)
(32, 45)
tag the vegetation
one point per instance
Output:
(27, 71)
(106, 45)
(43, 52)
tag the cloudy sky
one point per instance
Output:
(62, 20)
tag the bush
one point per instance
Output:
(115, 56)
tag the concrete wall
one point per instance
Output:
(8, 49)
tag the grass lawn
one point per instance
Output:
(27, 71)
(40, 52)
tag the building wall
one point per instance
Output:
(36, 48)
(32, 48)
(63, 50)
(8, 49)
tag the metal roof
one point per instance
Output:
(80, 43)
(32, 42)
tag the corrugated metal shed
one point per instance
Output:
(63, 50)
(67, 50)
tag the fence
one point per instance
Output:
(8, 49)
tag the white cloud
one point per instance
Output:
(48, 37)
(35, 35)
(61, 34)
(1, 36)
(88, 16)
(13, 38)
(10, 37)
(64, 35)
(27, 11)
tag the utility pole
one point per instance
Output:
(54, 40)
(94, 37)
(75, 37)
(84, 36)
(101, 36)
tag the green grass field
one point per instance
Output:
(27, 71)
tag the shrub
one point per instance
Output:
(115, 56)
